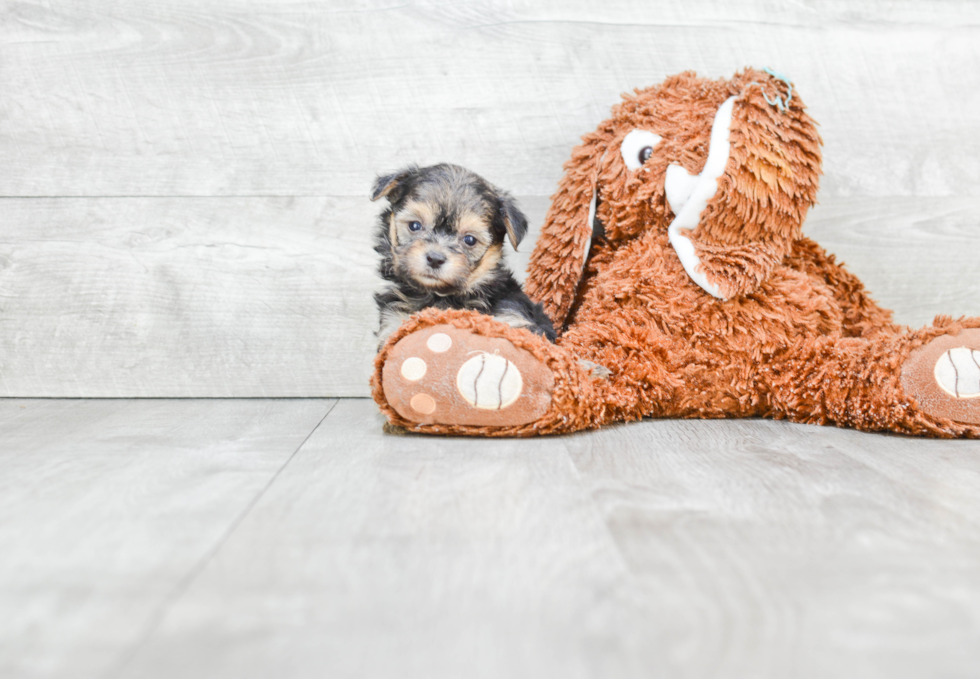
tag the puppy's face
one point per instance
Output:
(441, 238)
(445, 229)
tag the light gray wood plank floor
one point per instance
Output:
(292, 538)
(107, 508)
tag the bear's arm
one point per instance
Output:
(736, 270)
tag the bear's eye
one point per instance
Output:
(637, 147)
(469, 239)
(415, 226)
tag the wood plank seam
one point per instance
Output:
(181, 587)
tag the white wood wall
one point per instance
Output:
(183, 184)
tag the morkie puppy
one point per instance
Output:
(441, 242)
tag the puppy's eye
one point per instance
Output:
(637, 147)
(469, 239)
(415, 226)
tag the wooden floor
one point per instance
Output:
(292, 538)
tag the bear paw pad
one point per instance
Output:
(444, 375)
(944, 376)
(957, 372)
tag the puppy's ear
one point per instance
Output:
(392, 186)
(514, 220)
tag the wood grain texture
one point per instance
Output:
(406, 556)
(782, 550)
(918, 257)
(219, 155)
(187, 297)
(226, 297)
(108, 507)
(184, 97)
(661, 548)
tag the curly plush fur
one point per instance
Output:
(752, 319)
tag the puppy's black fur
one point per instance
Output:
(441, 245)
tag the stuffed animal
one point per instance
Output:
(673, 262)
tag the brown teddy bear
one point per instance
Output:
(673, 262)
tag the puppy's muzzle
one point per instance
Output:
(435, 259)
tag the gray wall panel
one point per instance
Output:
(183, 204)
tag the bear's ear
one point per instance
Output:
(392, 186)
(562, 250)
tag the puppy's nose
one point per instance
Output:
(435, 259)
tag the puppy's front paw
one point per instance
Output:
(444, 375)
(944, 376)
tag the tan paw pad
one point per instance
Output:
(943, 376)
(423, 403)
(444, 375)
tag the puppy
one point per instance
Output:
(441, 242)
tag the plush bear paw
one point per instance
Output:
(944, 376)
(444, 375)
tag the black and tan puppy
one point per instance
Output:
(441, 243)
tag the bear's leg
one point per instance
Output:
(460, 372)
(862, 315)
(925, 382)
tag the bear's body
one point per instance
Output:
(808, 345)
